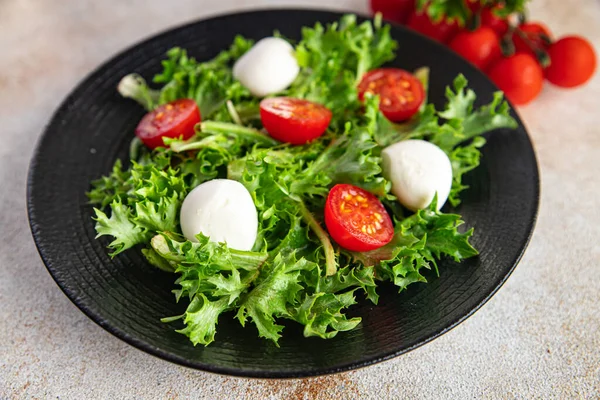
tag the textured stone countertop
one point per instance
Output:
(538, 337)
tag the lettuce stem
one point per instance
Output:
(330, 264)
(215, 127)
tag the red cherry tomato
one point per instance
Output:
(473, 5)
(491, 20)
(519, 76)
(442, 31)
(481, 46)
(356, 219)
(400, 92)
(572, 62)
(173, 120)
(393, 10)
(294, 121)
(534, 32)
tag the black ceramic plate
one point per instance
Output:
(127, 297)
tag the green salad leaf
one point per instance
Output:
(295, 271)
(334, 59)
(210, 84)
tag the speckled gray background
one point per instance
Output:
(539, 337)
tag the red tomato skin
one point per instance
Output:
(519, 76)
(291, 126)
(473, 5)
(393, 10)
(481, 47)
(178, 119)
(491, 20)
(442, 31)
(349, 237)
(572, 62)
(532, 30)
(393, 111)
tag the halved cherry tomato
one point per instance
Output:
(534, 32)
(356, 219)
(294, 121)
(393, 10)
(491, 20)
(572, 62)
(480, 47)
(519, 76)
(173, 120)
(400, 92)
(442, 30)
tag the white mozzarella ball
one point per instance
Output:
(223, 210)
(270, 66)
(418, 170)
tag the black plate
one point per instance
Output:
(128, 297)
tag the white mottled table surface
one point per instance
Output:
(538, 337)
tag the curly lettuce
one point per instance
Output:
(294, 271)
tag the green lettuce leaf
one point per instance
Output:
(210, 84)
(126, 234)
(418, 241)
(321, 314)
(333, 60)
(272, 296)
(201, 319)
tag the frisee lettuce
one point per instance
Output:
(294, 271)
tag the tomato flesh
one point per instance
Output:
(481, 47)
(294, 121)
(400, 92)
(442, 30)
(172, 120)
(356, 219)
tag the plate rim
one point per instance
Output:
(241, 372)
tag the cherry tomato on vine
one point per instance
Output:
(294, 121)
(173, 120)
(356, 219)
(491, 20)
(519, 76)
(442, 30)
(400, 92)
(481, 47)
(534, 32)
(393, 10)
(473, 5)
(572, 62)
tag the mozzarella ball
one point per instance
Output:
(223, 210)
(270, 66)
(417, 169)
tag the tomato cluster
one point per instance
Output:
(517, 57)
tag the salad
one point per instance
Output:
(281, 181)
